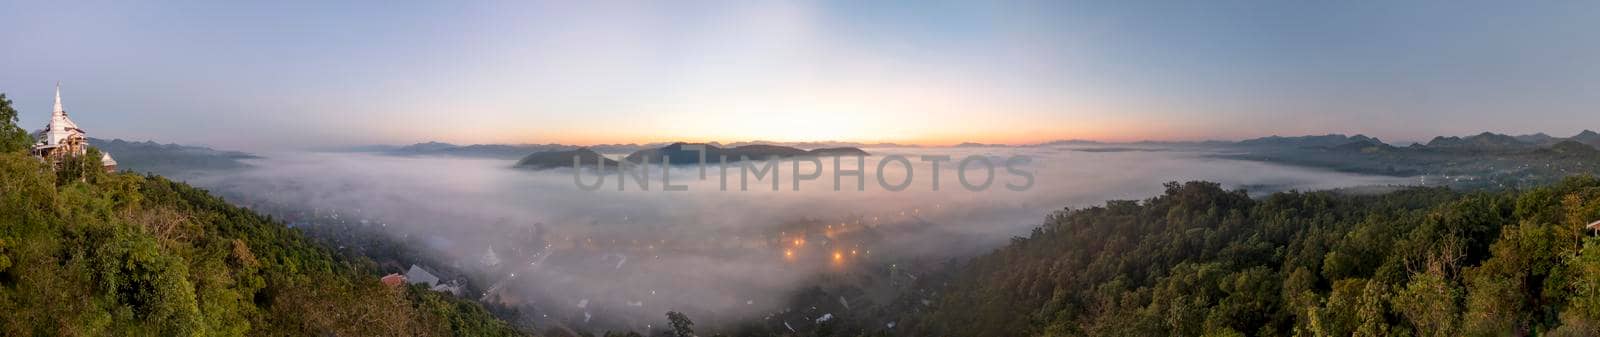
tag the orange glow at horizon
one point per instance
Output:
(1021, 138)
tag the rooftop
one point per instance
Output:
(393, 280)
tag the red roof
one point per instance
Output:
(393, 280)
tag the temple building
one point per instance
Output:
(62, 138)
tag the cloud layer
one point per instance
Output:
(623, 258)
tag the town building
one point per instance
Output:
(393, 280)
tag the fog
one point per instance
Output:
(610, 259)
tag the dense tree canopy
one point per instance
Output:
(85, 253)
(13, 137)
(1202, 261)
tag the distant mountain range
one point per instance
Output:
(1482, 142)
(1307, 141)
(677, 154)
(515, 151)
(503, 151)
(169, 159)
(1482, 160)
(813, 145)
(1279, 146)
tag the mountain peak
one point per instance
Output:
(427, 146)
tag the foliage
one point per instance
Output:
(94, 254)
(680, 323)
(1202, 261)
(171, 160)
(13, 137)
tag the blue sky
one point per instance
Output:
(309, 74)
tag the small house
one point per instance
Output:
(393, 280)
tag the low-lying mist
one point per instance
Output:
(610, 259)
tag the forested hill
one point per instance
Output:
(1199, 260)
(169, 159)
(95, 254)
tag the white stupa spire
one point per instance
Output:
(60, 127)
(58, 110)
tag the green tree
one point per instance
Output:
(129, 255)
(86, 167)
(12, 136)
(1341, 315)
(1431, 303)
(1585, 303)
(1371, 312)
(680, 323)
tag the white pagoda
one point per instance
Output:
(62, 138)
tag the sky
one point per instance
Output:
(308, 74)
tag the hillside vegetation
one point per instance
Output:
(85, 253)
(1202, 261)
(130, 255)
